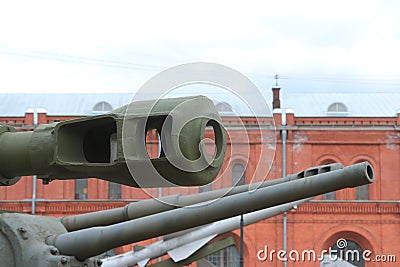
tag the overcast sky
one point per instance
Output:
(115, 46)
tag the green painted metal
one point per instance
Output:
(96, 240)
(112, 146)
(30, 240)
(22, 242)
(152, 206)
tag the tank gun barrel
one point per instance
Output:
(152, 206)
(112, 146)
(173, 245)
(90, 242)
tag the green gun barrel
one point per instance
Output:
(112, 146)
(152, 206)
(86, 243)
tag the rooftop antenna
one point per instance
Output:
(276, 77)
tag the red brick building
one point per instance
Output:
(368, 217)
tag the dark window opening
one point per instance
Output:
(228, 257)
(349, 251)
(238, 175)
(114, 190)
(362, 192)
(81, 189)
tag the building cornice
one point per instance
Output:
(62, 207)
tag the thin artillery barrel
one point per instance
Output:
(181, 239)
(112, 146)
(153, 206)
(90, 242)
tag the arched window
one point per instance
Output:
(223, 107)
(238, 175)
(114, 190)
(348, 251)
(362, 192)
(205, 188)
(330, 195)
(102, 107)
(228, 257)
(81, 189)
(107, 254)
(337, 109)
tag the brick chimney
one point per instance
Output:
(276, 102)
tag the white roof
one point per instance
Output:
(358, 104)
(58, 104)
(303, 104)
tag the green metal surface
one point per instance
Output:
(29, 240)
(152, 206)
(23, 243)
(96, 240)
(112, 146)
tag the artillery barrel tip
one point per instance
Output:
(369, 172)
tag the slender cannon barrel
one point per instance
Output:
(153, 206)
(112, 146)
(90, 242)
(173, 244)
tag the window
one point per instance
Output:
(228, 257)
(223, 107)
(349, 251)
(238, 175)
(337, 109)
(107, 254)
(329, 196)
(362, 192)
(102, 107)
(205, 188)
(114, 190)
(81, 188)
